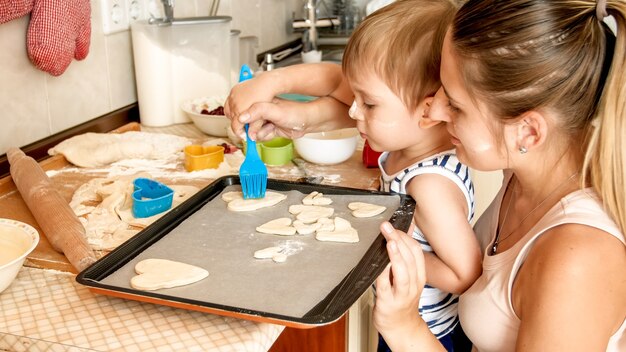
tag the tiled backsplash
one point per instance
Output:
(35, 105)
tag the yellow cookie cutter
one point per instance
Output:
(200, 157)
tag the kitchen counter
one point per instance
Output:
(46, 310)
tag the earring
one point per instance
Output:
(523, 150)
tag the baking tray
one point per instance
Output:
(317, 284)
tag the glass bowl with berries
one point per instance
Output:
(207, 114)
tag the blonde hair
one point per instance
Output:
(520, 55)
(401, 43)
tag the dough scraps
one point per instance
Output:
(154, 274)
(101, 149)
(365, 210)
(271, 252)
(310, 213)
(280, 226)
(316, 198)
(103, 206)
(344, 232)
(237, 203)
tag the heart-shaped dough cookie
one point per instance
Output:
(316, 198)
(240, 204)
(365, 210)
(306, 229)
(271, 252)
(326, 225)
(310, 213)
(344, 232)
(162, 273)
(280, 226)
(267, 253)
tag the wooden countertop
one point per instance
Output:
(51, 296)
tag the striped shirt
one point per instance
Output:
(437, 308)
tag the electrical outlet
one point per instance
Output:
(114, 16)
(137, 10)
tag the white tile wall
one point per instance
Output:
(34, 104)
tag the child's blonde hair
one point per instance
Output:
(401, 44)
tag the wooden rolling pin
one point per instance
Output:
(53, 214)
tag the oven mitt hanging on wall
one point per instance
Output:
(12, 9)
(59, 31)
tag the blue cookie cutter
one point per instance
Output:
(150, 197)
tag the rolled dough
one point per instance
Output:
(101, 149)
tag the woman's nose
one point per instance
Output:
(437, 109)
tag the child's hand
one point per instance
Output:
(243, 95)
(400, 285)
(280, 118)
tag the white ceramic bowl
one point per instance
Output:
(327, 148)
(17, 240)
(214, 125)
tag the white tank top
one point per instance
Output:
(486, 309)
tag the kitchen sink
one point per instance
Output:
(331, 55)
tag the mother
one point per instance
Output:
(536, 88)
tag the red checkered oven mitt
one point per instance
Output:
(12, 9)
(59, 31)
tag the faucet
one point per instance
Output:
(168, 10)
(309, 38)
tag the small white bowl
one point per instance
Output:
(214, 125)
(17, 240)
(327, 148)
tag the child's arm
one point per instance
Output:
(441, 215)
(321, 80)
(292, 119)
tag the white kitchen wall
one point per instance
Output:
(35, 105)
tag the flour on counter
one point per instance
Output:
(167, 168)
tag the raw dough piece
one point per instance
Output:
(306, 229)
(280, 226)
(316, 198)
(154, 274)
(267, 253)
(326, 225)
(240, 204)
(365, 210)
(344, 232)
(103, 206)
(271, 252)
(101, 149)
(230, 196)
(310, 213)
(279, 258)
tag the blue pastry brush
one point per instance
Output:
(253, 172)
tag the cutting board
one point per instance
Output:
(12, 206)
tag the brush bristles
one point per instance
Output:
(253, 186)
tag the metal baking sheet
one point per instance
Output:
(316, 285)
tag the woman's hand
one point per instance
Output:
(398, 290)
(400, 285)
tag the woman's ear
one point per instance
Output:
(531, 131)
(422, 112)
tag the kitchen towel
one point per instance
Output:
(59, 31)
